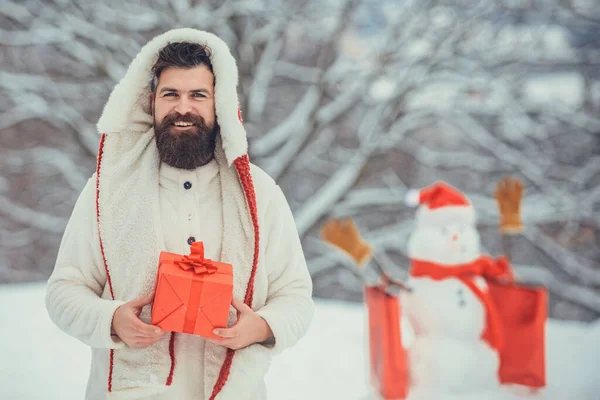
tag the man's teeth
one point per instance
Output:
(183, 124)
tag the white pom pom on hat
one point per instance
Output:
(412, 198)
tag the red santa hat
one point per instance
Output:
(441, 203)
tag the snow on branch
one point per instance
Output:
(454, 159)
(576, 266)
(41, 35)
(340, 181)
(587, 172)
(43, 157)
(527, 167)
(341, 104)
(297, 120)
(568, 291)
(16, 12)
(324, 199)
(257, 96)
(32, 218)
(297, 72)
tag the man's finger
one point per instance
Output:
(146, 329)
(143, 341)
(145, 336)
(142, 301)
(239, 305)
(226, 332)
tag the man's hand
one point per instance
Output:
(131, 329)
(250, 328)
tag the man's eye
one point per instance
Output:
(170, 95)
(199, 95)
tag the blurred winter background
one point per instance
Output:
(347, 104)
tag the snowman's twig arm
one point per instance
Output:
(507, 245)
(391, 285)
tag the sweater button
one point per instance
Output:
(187, 185)
(191, 240)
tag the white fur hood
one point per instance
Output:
(128, 107)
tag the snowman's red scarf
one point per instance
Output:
(486, 267)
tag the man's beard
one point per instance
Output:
(185, 149)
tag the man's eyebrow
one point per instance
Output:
(167, 89)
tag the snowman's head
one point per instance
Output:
(445, 230)
(451, 240)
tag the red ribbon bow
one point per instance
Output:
(196, 261)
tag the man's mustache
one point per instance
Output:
(188, 117)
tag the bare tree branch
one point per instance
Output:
(32, 218)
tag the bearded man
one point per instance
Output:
(173, 169)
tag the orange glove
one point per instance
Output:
(509, 193)
(345, 236)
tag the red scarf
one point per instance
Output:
(484, 266)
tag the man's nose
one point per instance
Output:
(183, 106)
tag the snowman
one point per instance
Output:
(456, 334)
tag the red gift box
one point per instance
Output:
(192, 294)
(388, 359)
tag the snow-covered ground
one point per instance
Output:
(38, 361)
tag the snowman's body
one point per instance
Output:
(451, 365)
(447, 317)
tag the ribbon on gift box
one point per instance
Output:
(196, 261)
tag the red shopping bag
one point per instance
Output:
(523, 311)
(388, 359)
